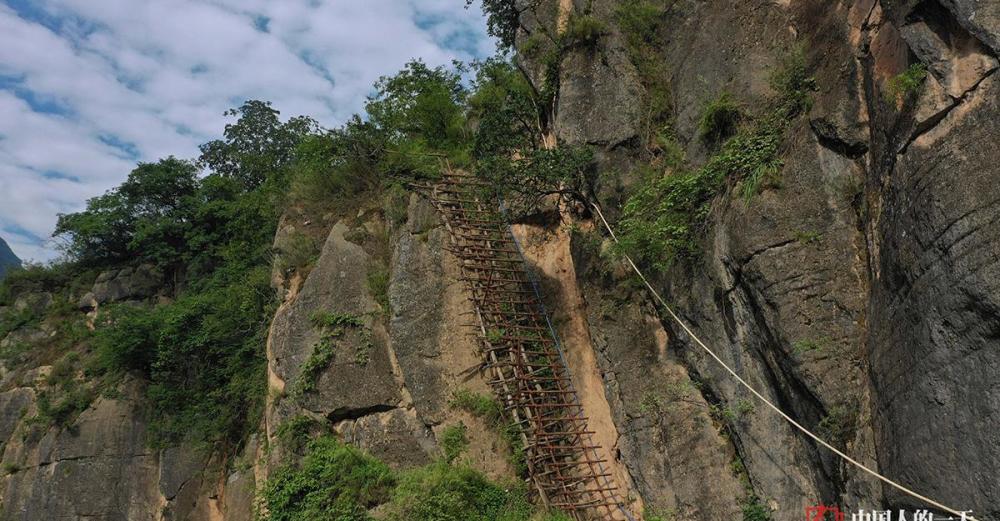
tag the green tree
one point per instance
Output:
(148, 216)
(258, 146)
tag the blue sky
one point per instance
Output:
(90, 87)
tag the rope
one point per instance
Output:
(555, 337)
(750, 388)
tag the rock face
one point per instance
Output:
(102, 468)
(861, 294)
(136, 283)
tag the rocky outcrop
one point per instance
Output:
(857, 293)
(130, 283)
(101, 468)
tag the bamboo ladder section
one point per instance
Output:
(522, 358)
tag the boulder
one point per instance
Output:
(136, 283)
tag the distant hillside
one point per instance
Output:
(7, 258)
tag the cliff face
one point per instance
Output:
(860, 292)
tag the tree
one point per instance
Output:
(258, 146)
(421, 103)
(147, 216)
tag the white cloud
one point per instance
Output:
(89, 86)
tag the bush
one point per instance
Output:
(662, 217)
(442, 492)
(203, 356)
(754, 510)
(586, 30)
(477, 404)
(838, 425)
(377, 281)
(906, 83)
(719, 119)
(333, 481)
(339, 482)
(299, 252)
(454, 441)
(641, 22)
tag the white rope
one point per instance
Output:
(750, 388)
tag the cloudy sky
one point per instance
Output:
(90, 87)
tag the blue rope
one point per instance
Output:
(555, 336)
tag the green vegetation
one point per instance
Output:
(294, 433)
(663, 215)
(838, 425)
(658, 514)
(337, 481)
(755, 510)
(477, 404)
(641, 22)
(807, 236)
(905, 83)
(299, 252)
(729, 414)
(719, 119)
(378, 284)
(203, 356)
(332, 326)
(808, 344)
(333, 481)
(651, 403)
(490, 410)
(442, 492)
(506, 146)
(585, 29)
(453, 441)
(501, 20)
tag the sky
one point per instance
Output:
(88, 88)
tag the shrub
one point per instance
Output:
(299, 252)
(586, 30)
(807, 236)
(807, 344)
(719, 119)
(454, 441)
(477, 404)
(906, 83)
(838, 425)
(640, 22)
(377, 281)
(294, 433)
(442, 492)
(333, 481)
(396, 204)
(61, 408)
(662, 217)
(755, 510)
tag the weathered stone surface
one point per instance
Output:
(417, 288)
(959, 63)
(347, 388)
(935, 312)
(14, 405)
(35, 303)
(396, 437)
(668, 441)
(979, 17)
(126, 284)
(102, 470)
(591, 81)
